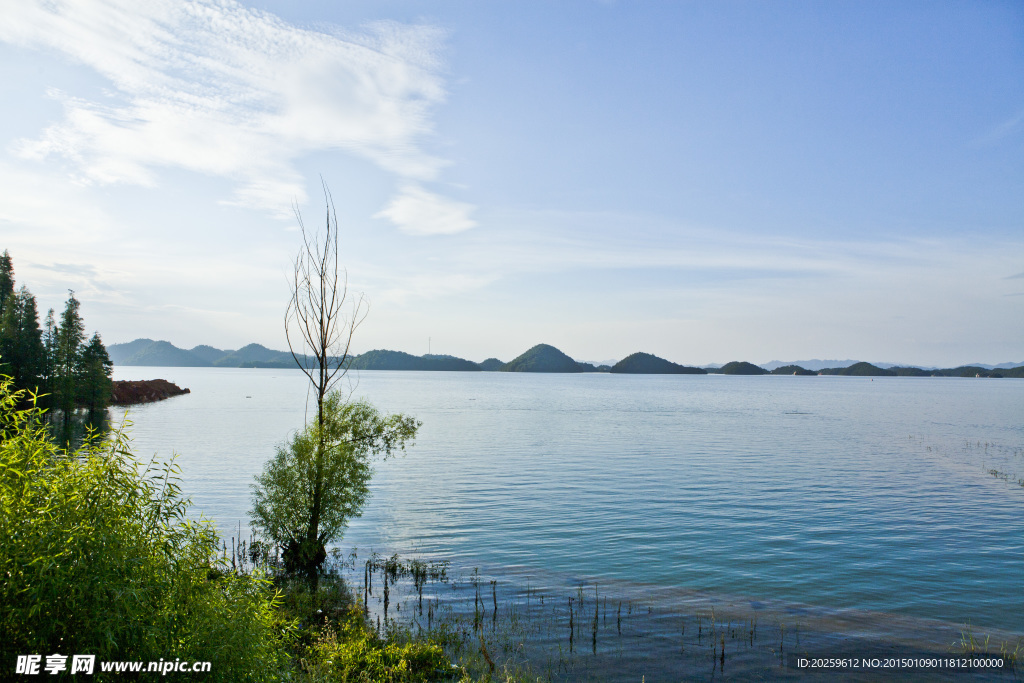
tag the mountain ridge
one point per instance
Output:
(539, 358)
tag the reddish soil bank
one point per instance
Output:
(144, 391)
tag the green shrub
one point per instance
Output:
(98, 556)
(351, 652)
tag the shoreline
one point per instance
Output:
(617, 630)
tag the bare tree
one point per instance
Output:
(321, 318)
(319, 323)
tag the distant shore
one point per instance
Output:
(540, 358)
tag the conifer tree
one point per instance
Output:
(8, 331)
(6, 279)
(95, 381)
(49, 360)
(69, 339)
(21, 344)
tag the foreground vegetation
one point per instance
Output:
(99, 557)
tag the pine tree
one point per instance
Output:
(21, 344)
(6, 279)
(95, 381)
(69, 339)
(8, 316)
(49, 360)
(8, 333)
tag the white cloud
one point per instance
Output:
(214, 87)
(418, 212)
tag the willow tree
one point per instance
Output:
(318, 480)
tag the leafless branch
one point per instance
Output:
(321, 317)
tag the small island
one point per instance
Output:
(133, 392)
(740, 367)
(641, 363)
(545, 358)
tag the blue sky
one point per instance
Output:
(703, 181)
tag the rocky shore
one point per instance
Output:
(127, 392)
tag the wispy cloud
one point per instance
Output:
(419, 212)
(559, 248)
(1018, 276)
(214, 87)
(1001, 130)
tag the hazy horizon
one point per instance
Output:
(701, 182)
(775, 362)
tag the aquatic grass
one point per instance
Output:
(970, 644)
(535, 634)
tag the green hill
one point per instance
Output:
(545, 358)
(382, 359)
(269, 365)
(208, 353)
(649, 364)
(253, 353)
(859, 370)
(165, 354)
(792, 370)
(977, 371)
(739, 367)
(491, 365)
(119, 353)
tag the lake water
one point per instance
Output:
(840, 495)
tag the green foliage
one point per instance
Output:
(95, 376)
(21, 342)
(352, 652)
(320, 478)
(69, 339)
(6, 278)
(54, 362)
(98, 556)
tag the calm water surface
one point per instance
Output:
(834, 492)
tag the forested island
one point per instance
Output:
(649, 364)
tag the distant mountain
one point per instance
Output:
(739, 367)
(649, 364)
(540, 358)
(208, 353)
(165, 354)
(1000, 366)
(119, 353)
(859, 370)
(253, 353)
(814, 364)
(382, 359)
(546, 358)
